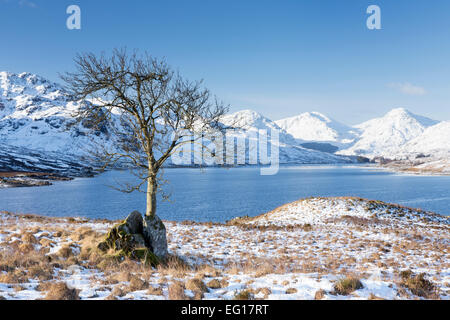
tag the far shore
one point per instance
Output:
(39, 178)
(16, 179)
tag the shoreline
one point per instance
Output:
(19, 179)
(39, 178)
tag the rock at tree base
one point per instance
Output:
(155, 235)
(134, 222)
(137, 239)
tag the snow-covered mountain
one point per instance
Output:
(36, 122)
(36, 117)
(250, 123)
(387, 135)
(250, 120)
(434, 139)
(37, 114)
(316, 127)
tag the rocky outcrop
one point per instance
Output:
(155, 235)
(137, 238)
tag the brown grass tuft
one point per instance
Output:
(291, 291)
(60, 291)
(29, 238)
(244, 295)
(319, 295)
(418, 285)
(176, 291)
(196, 285)
(65, 252)
(155, 291)
(347, 285)
(214, 284)
(137, 284)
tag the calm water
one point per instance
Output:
(215, 194)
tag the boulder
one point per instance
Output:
(138, 238)
(155, 235)
(134, 222)
(126, 235)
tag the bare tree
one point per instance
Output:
(156, 106)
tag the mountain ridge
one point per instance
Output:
(37, 114)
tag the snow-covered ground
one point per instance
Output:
(298, 251)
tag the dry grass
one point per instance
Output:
(265, 291)
(175, 267)
(176, 291)
(196, 285)
(42, 272)
(291, 291)
(137, 284)
(118, 291)
(155, 291)
(347, 285)
(60, 291)
(214, 284)
(418, 285)
(255, 253)
(244, 295)
(319, 295)
(207, 270)
(29, 238)
(65, 251)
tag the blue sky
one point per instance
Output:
(279, 58)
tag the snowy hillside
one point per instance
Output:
(386, 135)
(22, 159)
(289, 149)
(341, 210)
(35, 114)
(314, 126)
(303, 250)
(433, 139)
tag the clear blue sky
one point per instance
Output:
(279, 58)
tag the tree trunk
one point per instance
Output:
(151, 197)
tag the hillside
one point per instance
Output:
(434, 139)
(250, 123)
(36, 120)
(308, 249)
(36, 123)
(384, 137)
(322, 211)
(316, 127)
(38, 114)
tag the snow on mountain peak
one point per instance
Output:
(249, 119)
(386, 135)
(320, 116)
(404, 114)
(35, 114)
(314, 126)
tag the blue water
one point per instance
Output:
(216, 194)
